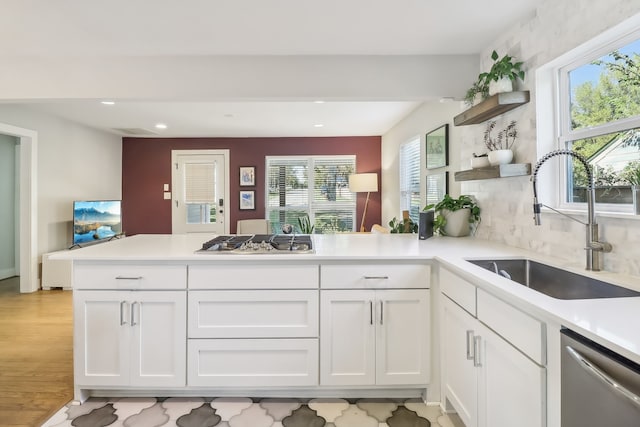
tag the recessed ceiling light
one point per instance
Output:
(318, 125)
(318, 102)
(161, 126)
(108, 102)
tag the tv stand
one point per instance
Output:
(56, 273)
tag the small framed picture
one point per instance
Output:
(247, 176)
(247, 200)
(437, 142)
(437, 187)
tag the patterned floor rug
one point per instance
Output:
(246, 412)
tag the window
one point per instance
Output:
(410, 178)
(600, 119)
(317, 186)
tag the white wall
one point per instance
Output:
(74, 162)
(506, 203)
(425, 118)
(7, 206)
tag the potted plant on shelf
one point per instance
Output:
(503, 73)
(476, 93)
(455, 217)
(500, 147)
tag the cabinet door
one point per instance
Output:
(459, 376)
(402, 337)
(347, 337)
(512, 386)
(101, 338)
(159, 340)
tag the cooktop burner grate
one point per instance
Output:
(259, 243)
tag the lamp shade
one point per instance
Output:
(363, 182)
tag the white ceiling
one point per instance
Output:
(45, 33)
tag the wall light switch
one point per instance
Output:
(167, 195)
(166, 187)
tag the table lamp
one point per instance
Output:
(361, 182)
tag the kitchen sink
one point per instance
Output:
(552, 281)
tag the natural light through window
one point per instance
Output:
(600, 104)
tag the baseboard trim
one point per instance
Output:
(7, 272)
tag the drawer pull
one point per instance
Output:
(381, 312)
(376, 277)
(128, 277)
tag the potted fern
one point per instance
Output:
(503, 73)
(455, 217)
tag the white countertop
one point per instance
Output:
(613, 322)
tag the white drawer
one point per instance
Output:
(253, 314)
(374, 276)
(252, 363)
(247, 276)
(129, 276)
(459, 290)
(521, 330)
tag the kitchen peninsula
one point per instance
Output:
(360, 316)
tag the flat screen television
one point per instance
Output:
(96, 220)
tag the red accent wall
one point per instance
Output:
(146, 166)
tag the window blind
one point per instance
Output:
(410, 178)
(200, 182)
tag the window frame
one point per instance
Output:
(406, 194)
(312, 207)
(552, 82)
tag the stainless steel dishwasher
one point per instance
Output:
(599, 387)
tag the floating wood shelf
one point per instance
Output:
(501, 171)
(491, 107)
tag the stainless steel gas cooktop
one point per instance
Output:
(259, 244)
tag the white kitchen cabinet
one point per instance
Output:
(487, 380)
(374, 337)
(253, 362)
(130, 338)
(459, 375)
(493, 370)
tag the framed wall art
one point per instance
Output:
(437, 187)
(247, 200)
(247, 176)
(437, 143)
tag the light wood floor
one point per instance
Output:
(36, 354)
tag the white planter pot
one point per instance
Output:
(500, 157)
(479, 162)
(505, 84)
(457, 224)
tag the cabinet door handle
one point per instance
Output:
(122, 319)
(375, 277)
(133, 317)
(470, 346)
(476, 351)
(381, 312)
(128, 277)
(371, 312)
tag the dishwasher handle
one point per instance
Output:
(601, 376)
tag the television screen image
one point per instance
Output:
(96, 220)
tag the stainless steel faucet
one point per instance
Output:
(594, 247)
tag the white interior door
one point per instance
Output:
(200, 191)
